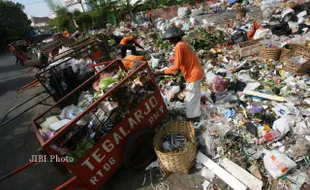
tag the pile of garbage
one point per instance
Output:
(255, 112)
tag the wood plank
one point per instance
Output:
(241, 174)
(220, 172)
(266, 96)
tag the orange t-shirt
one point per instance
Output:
(125, 40)
(12, 49)
(187, 61)
(149, 14)
(129, 60)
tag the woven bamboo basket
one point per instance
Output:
(298, 49)
(248, 48)
(179, 162)
(295, 50)
(269, 53)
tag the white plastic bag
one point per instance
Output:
(277, 164)
(70, 112)
(261, 33)
(206, 140)
(281, 125)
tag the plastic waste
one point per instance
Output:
(261, 33)
(277, 164)
(206, 173)
(70, 112)
(154, 62)
(280, 128)
(218, 84)
(172, 92)
(281, 110)
(206, 140)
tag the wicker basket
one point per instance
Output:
(180, 162)
(291, 66)
(299, 50)
(295, 50)
(269, 53)
(248, 48)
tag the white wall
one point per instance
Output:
(77, 6)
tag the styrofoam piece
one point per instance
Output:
(220, 172)
(241, 174)
(59, 124)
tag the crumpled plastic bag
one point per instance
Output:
(277, 164)
(210, 77)
(70, 112)
(239, 36)
(281, 125)
(261, 33)
(172, 92)
(207, 140)
(85, 99)
(218, 84)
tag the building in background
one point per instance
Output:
(39, 21)
(80, 5)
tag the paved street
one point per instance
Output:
(17, 140)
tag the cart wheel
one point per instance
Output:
(139, 151)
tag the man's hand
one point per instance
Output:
(159, 73)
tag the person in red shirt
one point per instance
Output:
(186, 60)
(127, 43)
(149, 16)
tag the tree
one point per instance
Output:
(128, 9)
(14, 23)
(63, 20)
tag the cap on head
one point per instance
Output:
(173, 32)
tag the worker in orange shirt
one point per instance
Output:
(149, 16)
(132, 61)
(18, 53)
(186, 60)
(66, 33)
(128, 43)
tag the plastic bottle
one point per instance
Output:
(270, 136)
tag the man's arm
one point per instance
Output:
(137, 44)
(174, 69)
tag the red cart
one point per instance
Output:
(114, 129)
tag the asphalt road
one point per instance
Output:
(17, 140)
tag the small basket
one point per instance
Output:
(269, 53)
(248, 48)
(295, 50)
(291, 66)
(180, 162)
(299, 50)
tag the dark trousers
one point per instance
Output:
(124, 48)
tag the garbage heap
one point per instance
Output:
(255, 98)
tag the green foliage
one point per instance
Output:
(200, 38)
(84, 20)
(14, 23)
(127, 9)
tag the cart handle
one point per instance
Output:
(4, 121)
(21, 168)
